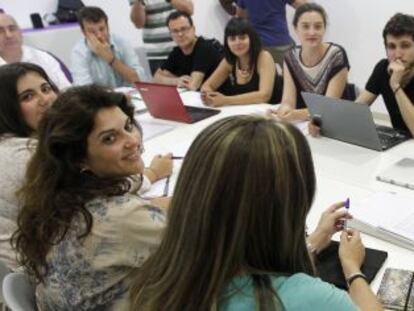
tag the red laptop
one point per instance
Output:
(164, 102)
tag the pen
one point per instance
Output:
(347, 205)
(166, 186)
(177, 158)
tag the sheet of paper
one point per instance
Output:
(192, 98)
(390, 211)
(158, 189)
(152, 128)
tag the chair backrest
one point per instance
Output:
(63, 66)
(19, 292)
(3, 272)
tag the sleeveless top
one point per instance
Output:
(234, 88)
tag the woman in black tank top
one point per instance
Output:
(247, 74)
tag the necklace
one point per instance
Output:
(244, 73)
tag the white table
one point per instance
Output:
(342, 170)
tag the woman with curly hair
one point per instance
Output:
(83, 229)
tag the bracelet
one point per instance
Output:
(355, 276)
(112, 61)
(397, 89)
(153, 172)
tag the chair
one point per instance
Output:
(19, 292)
(3, 272)
(63, 66)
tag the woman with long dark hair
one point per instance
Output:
(82, 228)
(26, 92)
(250, 69)
(236, 238)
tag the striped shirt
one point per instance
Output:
(315, 79)
(155, 34)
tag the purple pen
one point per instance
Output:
(347, 205)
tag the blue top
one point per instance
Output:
(88, 68)
(297, 292)
(268, 17)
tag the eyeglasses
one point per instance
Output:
(175, 32)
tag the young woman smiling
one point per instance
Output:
(26, 92)
(250, 69)
(83, 229)
(315, 66)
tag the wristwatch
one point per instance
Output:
(355, 276)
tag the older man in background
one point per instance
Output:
(12, 50)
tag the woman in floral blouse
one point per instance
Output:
(83, 229)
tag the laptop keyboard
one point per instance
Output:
(389, 136)
(198, 114)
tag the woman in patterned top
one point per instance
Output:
(83, 229)
(315, 66)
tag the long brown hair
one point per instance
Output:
(11, 117)
(240, 205)
(55, 190)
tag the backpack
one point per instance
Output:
(67, 11)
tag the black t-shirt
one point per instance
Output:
(378, 84)
(204, 58)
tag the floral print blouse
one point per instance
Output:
(94, 273)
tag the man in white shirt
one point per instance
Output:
(12, 50)
(102, 57)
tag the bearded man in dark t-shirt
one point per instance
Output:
(194, 58)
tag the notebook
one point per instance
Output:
(396, 290)
(400, 174)
(164, 102)
(351, 122)
(330, 270)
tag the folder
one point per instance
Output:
(387, 216)
(329, 266)
(399, 174)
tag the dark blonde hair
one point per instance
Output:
(239, 207)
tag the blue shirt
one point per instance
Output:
(299, 292)
(268, 17)
(89, 68)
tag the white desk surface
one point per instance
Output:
(342, 170)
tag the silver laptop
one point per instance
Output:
(351, 122)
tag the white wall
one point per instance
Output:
(355, 24)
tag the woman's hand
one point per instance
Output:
(331, 221)
(284, 112)
(214, 99)
(351, 252)
(314, 127)
(160, 167)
